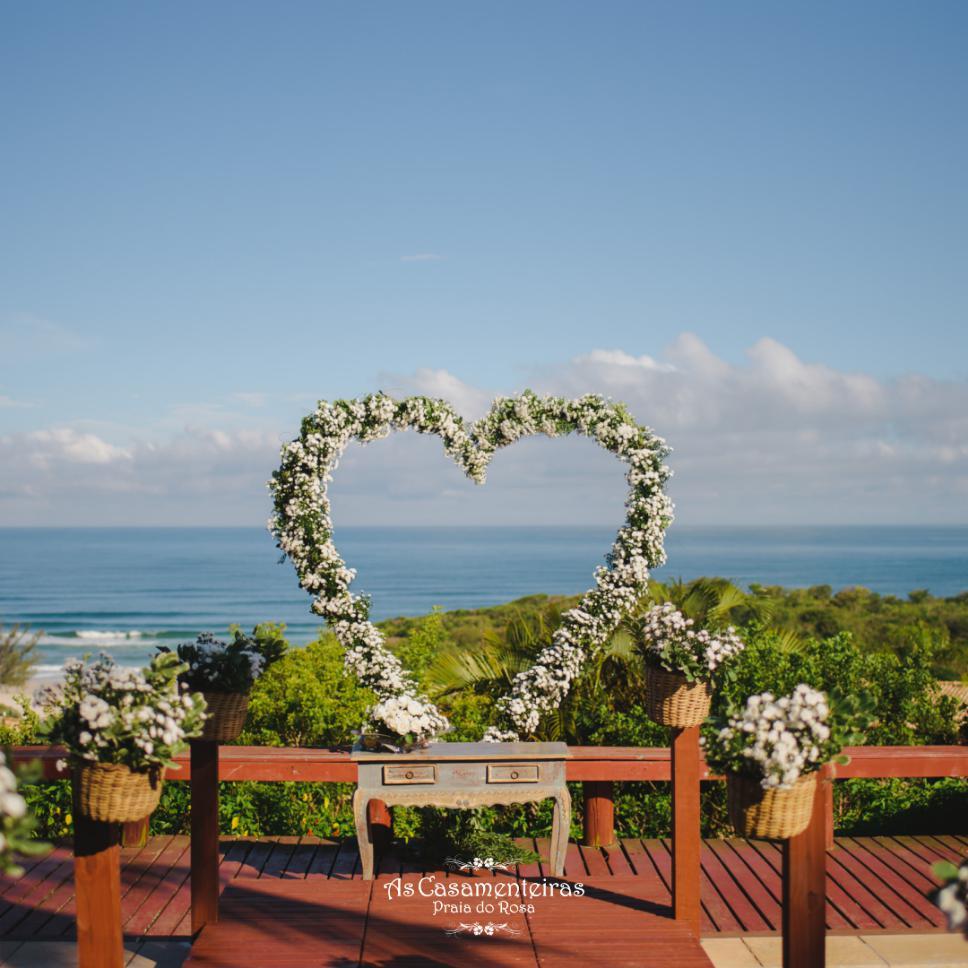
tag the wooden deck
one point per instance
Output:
(873, 884)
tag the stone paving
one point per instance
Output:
(848, 951)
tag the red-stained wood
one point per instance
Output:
(97, 883)
(380, 820)
(909, 903)
(722, 875)
(135, 833)
(686, 840)
(804, 890)
(155, 890)
(828, 812)
(593, 763)
(599, 813)
(872, 883)
(205, 853)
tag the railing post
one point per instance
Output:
(828, 812)
(599, 813)
(97, 887)
(686, 840)
(804, 888)
(381, 823)
(135, 833)
(204, 844)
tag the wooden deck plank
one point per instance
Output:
(662, 858)
(594, 861)
(322, 862)
(31, 892)
(745, 868)
(922, 911)
(727, 873)
(652, 885)
(532, 869)
(160, 887)
(874, 883)
(255, 860)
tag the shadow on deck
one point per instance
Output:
(276, 908)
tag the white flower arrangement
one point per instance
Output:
(776, 740)
(16, 824)
(670, 641)
(212, 665)
(107, 714)
(304, 532)
(952, 897)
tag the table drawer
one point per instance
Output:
(513, 773)
(410, 773)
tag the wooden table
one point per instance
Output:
(463, 776)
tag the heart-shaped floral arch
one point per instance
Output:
(304, 532)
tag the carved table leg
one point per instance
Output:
(363, 838)
(560, 829)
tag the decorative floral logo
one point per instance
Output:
(477, 864)
(477, 929)
(304, 531)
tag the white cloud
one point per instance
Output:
(771, 439)
(616, 358)
(9, 403)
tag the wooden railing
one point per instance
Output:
(597, 768)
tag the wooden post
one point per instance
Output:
(828, 810)
(599, 813)
(204, 844)
(135, 833)
(97, 886)
(686, 840)
(804, 884)
(380, 820)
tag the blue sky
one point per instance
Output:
(211, 215)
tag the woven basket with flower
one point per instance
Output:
(771, 750)
(121, 728)
(773, 814)
(224, 672)
(680, 661)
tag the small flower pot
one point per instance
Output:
(671, 700)
(113, 793)
(226, 716)
(770, 814)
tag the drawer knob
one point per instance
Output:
(514, 774)
(409, 774)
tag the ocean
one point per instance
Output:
(128, 590)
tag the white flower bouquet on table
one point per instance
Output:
(121, 728)
(680, 662)
(225, 672)
(952, 897)
(402, 723)
(771, 751)
(16, 824)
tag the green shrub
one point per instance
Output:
(17, 655)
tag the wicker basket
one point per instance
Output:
(770, 814)
(671, 700)
(113, 793)
(226, 716)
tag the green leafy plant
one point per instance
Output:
(17, 654)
